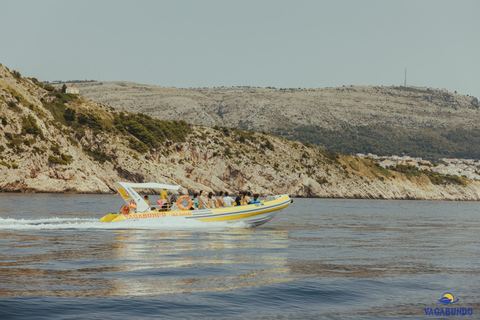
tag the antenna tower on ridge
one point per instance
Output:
(405, 77)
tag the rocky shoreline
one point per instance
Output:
(41, 150)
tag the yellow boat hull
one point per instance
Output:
(253, 214)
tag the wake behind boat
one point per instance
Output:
(136, 208)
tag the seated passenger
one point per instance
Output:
(238, 199)
(146, 200)
(255, 199)
(246, 198)
(195, 201)
(212, 202)
(227, 200)
(220, 202)
(202, 200)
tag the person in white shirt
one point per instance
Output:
(227, 200)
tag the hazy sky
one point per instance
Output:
(201, 43)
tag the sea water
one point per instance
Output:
(317, 259)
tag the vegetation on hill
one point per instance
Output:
(99, 130)
(74, 116)
(143, 131)
(148, 132)
(384, 120)
(428, 143)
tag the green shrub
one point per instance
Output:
(226, 131)
(14, 165)
(70, 114)
(246, 135)
(5, 164)
(442, 179)
(73, 141)
(29, 125)
(4, 121)
(53, 159)
(435, 177)
(308, 144)
(268, 145)
(57, 107)
(55, 149)
(16, 74)
(13, 106)
(138, 146)
(322, 180)
(98, 155)
(150, 132)
(49, 87)
(91, 120)
(41, 150)
(331, 157)
(382, 170)
(64, 159)
(67, 158)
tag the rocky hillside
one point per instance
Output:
(51, 141)
(383, 120)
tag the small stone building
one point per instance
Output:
(72, 90)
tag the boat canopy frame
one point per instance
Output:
(128, 194)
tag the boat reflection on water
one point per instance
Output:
(169, 262)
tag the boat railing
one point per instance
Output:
(269, 198)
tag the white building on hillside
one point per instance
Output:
(72, 90)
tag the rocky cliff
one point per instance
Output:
(55, 142)
(385, 120)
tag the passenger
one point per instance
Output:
(238, 199)
(220, 202)
(212, 202)
(164, 196)
(202, 200)
(246, 198)
(227, 200)
(255, 199)
(195, 201)
(146, 200)
(173, 201)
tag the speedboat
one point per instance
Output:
(136, 208)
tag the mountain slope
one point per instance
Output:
(419, 121)
(51, 141)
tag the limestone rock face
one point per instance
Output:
(57, 158)
(196, 167)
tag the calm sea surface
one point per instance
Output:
(317, 259)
